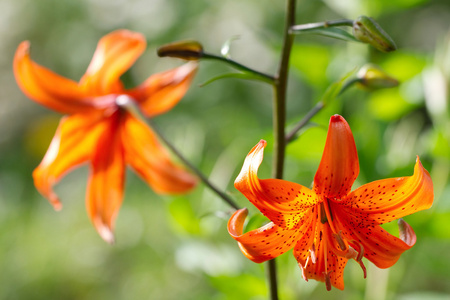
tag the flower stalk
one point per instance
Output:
(279, 122)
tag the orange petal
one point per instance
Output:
(162, 91)
(72, 145)
(386, 200)
(116, 52)
(151, 161)
(106, 181)
(45, 87)
(284, 203)
(339, 166)
(380, 247)
(264, 243)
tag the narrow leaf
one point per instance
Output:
(331, 32)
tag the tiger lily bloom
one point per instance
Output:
(328, 224)
(100, 130)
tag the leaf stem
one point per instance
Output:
(258, 75)
(326, 24)
(291, 135)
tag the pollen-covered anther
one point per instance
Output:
(340, 240)
(327, 278)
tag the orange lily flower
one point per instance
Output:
(100, 130)
(329, 224)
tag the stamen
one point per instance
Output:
(360, 250)
(363, 268)
(340, 241)
(323, 214)
(329, 215)
(351, 253)
(327, 280)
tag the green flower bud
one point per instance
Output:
(372, 77)
(368, 31)
(188, 50)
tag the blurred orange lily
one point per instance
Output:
(100, 130)
(329, 224)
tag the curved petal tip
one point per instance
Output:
(104, 231)
(407, 234)
(236, 222)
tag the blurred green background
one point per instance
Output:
(178, 247)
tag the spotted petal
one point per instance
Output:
(162, 91)
(45, 87)
(151, 161)
(284, 203)
(339, 166)
(72, 145)
(264, 243)
(386, 200)
(380, 247)
(116, 52)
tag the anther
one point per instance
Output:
(340, 241)
(323, 214)
(327, 280)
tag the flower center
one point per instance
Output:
(329, 236)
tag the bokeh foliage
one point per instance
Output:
(178, 247)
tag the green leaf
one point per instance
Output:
(332, 32)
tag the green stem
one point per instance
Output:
(279, 122)
(272, 277)
(310, 26)
(258, 75)
(279, 112)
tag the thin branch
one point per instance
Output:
(291, 135)
(258, 75)
(130, 105)
(193, 168)
(279, 122)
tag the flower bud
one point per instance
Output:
(188, 50)
(372, 77)
(368, 31)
